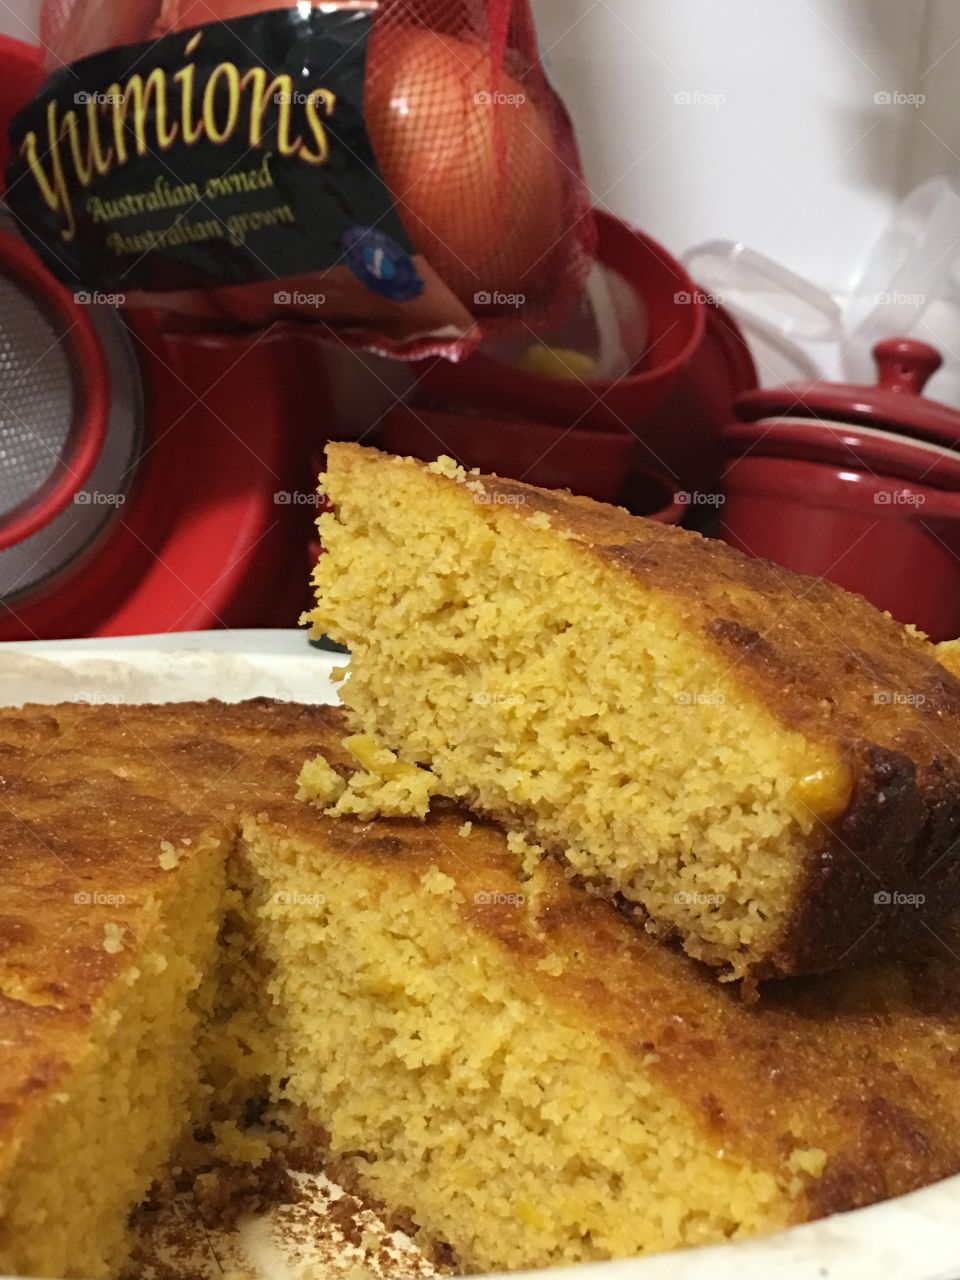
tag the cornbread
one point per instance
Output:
(763, 764)
(490, 1053)
(540, 1083)
(102, 961)
(128, 996)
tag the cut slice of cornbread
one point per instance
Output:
(501, 1059)
(104, 948)
(764, 763)
(130, 992)
(538, 1083)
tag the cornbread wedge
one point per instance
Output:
(103, 954)
(495, 1055)
(763, 763)
(129, 997)
(539, 1083)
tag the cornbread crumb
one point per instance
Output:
(948, 655)
(434, 881)
(359, 1272)
(698, 733)
(465, 830)
(237, 1146)
(385, 787)
(529, 852)
(320, 783)
(445, 466)
(369, 795)
(552, 964)
(370, 1240)
(112, 938)
(169, 856)
(810, 1160)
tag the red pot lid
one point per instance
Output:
(861, 449)
(895, 402)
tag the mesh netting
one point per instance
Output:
(476, 148)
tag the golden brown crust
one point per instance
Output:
(864, 1065)
(88, 796)
(828, 665)
(79, 859)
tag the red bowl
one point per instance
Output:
(676, 316)
(683, 435)
(594, 464)
(876, 513)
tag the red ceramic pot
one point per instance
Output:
(676, 316)
(860, 485)
(683, 435)
(594, 464)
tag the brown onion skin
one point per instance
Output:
(477, 182)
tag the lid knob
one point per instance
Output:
(905, 365)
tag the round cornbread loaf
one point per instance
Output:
(763, 763)
(496, 1056)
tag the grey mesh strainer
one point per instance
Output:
(54, 393)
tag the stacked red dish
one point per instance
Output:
(859, 484)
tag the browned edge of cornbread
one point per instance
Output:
(827, 664)
(859, 1055)
(865, 1063)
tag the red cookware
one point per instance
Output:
(683, 434)
(675, 316)
(859, 484)
(54, 393)
(596, 464)
(21, 74)
(205, 519)
(149, 484)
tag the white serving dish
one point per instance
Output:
(915, 1237)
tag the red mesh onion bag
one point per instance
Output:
(484, 223)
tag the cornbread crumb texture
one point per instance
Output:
(641, 1107)
(528, 1075)
(383, 786)
(110, 961)
(169, 855)
(744, 753)
(948, 655)
(447, 467)
(101, 968)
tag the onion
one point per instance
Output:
(101, 24)
(468, 157)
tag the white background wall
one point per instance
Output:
(19, 18)
(795, 157)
